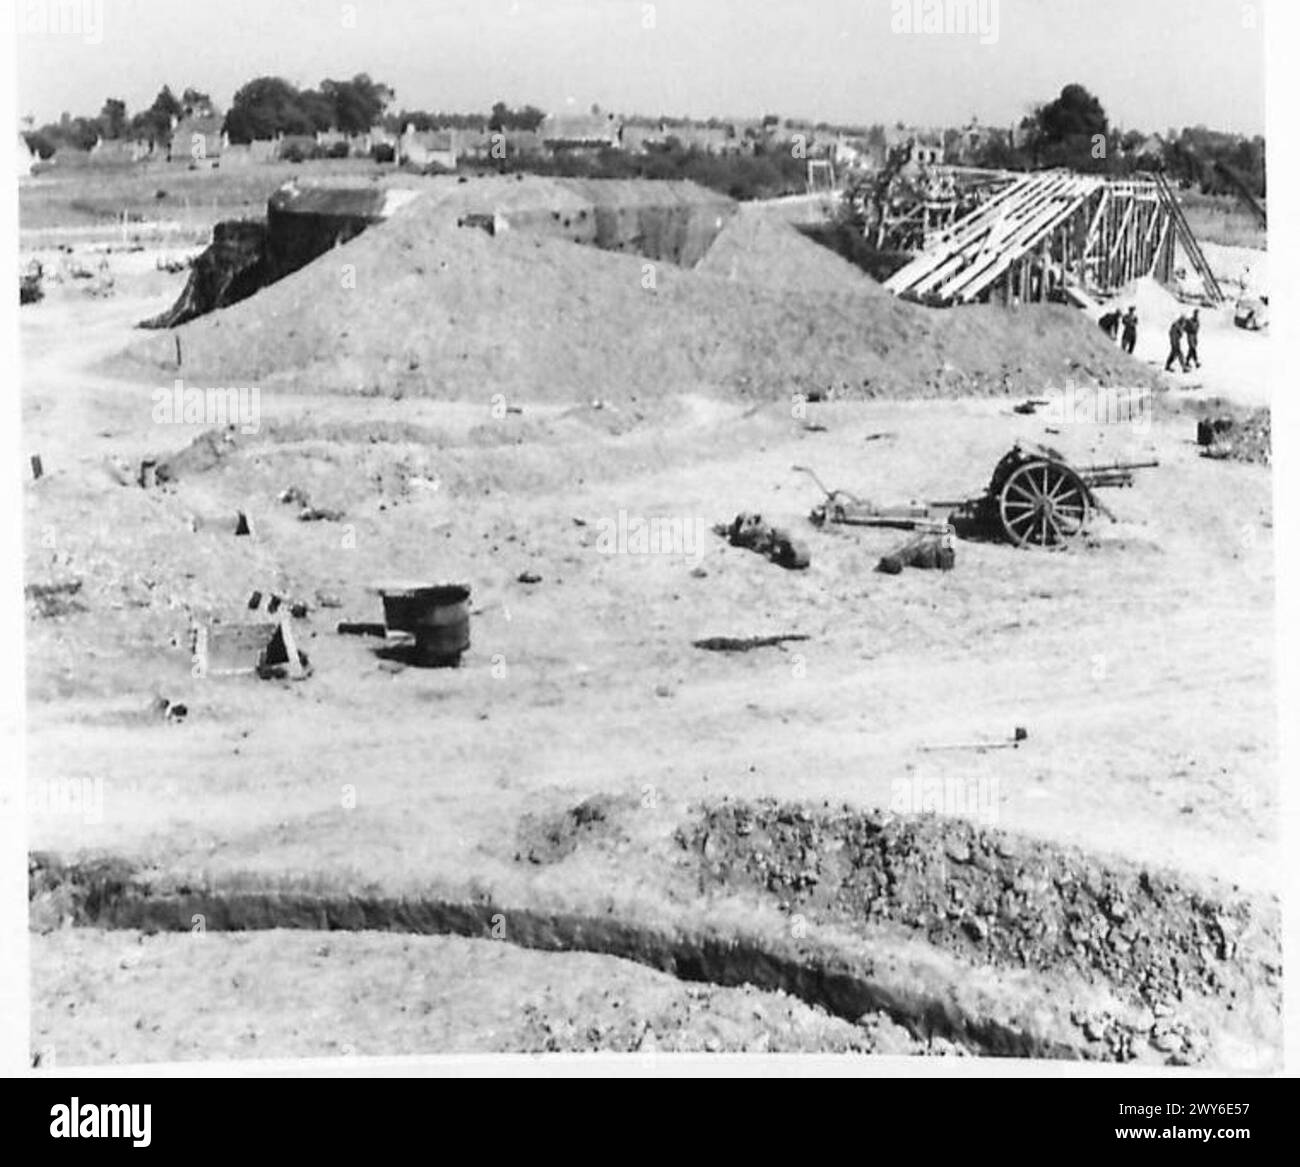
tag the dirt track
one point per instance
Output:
(1140, 663)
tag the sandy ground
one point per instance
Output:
(390, 995)
(1140, 663)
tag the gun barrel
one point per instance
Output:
(1118, 466)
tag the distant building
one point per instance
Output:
(1152, 146)
(641, 137)
(121, 151)
(848, 152)
(196, 139)
(428, 147)
(582, 131)
(928, 150)
(498, 145)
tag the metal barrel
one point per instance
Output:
(437, 615)
(442, 625)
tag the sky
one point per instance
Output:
(1155, 64)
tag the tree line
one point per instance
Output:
(1072, 130)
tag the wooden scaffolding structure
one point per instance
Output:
(1048, 232)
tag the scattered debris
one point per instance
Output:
(747, 643)
(749, 530)
(232, 650)
(319, 515)
(1209, 429)
(270, 603)
(168, 710)
(1019, 735)
(356, 628)
(56, 599)
(1240, 439)
(932, 548)
(30, 290)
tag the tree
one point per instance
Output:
(503, 117)
(78, 133)
(194, 103)
(1070, 131)
(357, 104)
(155, 123)
(40, 143)
(264, 107)
(112, 118)
(319, 110)
(1075, 113)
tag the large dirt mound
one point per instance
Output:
(763, 249)
(417, 307)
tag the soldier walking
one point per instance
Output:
(1176, 330)
(1130, 338)
(1192, 330)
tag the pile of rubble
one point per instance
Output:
(996, 898)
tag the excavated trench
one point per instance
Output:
(109, 893)
(1026, 949)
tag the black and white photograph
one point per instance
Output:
(667, 538)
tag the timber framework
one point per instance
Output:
(1052, 235)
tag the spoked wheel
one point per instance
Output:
(1044, 504)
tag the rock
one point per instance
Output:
(529, 577)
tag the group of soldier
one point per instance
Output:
(1184, 328)
(1124, 327)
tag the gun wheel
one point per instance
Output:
(1044, 504)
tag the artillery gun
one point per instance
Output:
(1034, 498)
